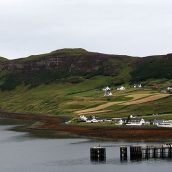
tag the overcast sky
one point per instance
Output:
(131, 27)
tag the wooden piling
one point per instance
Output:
(155, 152)
(123, 153)
(147, 153)
(135, 152)
(170, 151)
(162, 152)
(97, 154)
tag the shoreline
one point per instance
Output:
(54, 127)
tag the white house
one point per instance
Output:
(83, 118)
(92, 119)
(137, 86)
(140, 85)
(169, 88)
(107, 91)
(119, 121)
(135, 121)
(130, 121)
(121, 88)
(163, 123)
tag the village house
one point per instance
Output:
(169, 88)
(135, 121)
(130, 120)
(82, 118)
(121, 88)
(90, 119)
(107, 91)
(137, 86)
(163, 123)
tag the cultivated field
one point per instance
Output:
(86, 98)
(137, 98)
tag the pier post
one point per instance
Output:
(162, 152)
(169, 151)
(135, 153)
(123, 153)
(98, 154)
(147, 153)
(155, 152)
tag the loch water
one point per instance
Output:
(19, 152)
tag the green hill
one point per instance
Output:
(68, 80)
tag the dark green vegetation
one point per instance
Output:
(76, 65)
(155, 67)
(65, 81)
(67, 65)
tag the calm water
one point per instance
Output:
(21, 153)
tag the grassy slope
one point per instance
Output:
(53, 98)
(161, 106)
(67, 98)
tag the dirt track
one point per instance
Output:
(137, 99)
(56, 124)
(147, 99)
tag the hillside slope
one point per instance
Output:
(66, 81)
(74, 65)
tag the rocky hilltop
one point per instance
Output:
(75, 65)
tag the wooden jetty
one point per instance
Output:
(146, 152)
(136, 152)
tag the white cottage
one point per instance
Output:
(137, 86)
(135, 121)
(121, 88)
(83, 118)
(169, 88)
(107, 91)
(130, 121)
(163, 123)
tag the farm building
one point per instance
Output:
(107, 91)
(121, 88)
(137, 86)
(90, 119)
(135, 121)
(130, 120)
(169, 88)
(163, 123)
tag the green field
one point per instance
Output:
(73, 99)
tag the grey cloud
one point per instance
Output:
(110, 26)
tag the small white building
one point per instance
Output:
(118, 121)
(107, 91)
(121, 88)
(135, 121)
(130, 121)
(163, 123)
(92, 119)
(169, 88)
(137, 86)
(83, 118)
